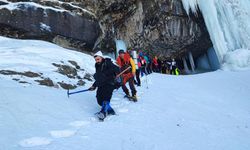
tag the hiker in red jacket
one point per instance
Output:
(125, 61)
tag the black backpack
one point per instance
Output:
(118, 81)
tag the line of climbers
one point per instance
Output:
(149, 64)
(110, 76)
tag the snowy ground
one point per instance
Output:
(209, 111)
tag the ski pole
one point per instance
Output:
(70, 93)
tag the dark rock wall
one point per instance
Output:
(49, 23)
(159, 27)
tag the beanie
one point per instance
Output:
(121, 51)
(99, 53)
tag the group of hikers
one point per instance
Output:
(155, 64)
(128, 69)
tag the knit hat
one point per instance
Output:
(99, 53)
(121, 51)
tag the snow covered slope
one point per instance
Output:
(42, 58)
(206, 111)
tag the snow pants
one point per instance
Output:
(131, 86)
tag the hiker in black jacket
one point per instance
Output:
(104, 82)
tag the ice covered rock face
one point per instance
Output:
(228, 24)
(161, 27)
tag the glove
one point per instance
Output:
(92, 88)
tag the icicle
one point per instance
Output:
(190, 4)
(227, 22)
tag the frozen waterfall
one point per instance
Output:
(228, 23)
(120, 44)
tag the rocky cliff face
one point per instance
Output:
(161, 27)
(62, 23)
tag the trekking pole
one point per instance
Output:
(70, 93)
(147, 81)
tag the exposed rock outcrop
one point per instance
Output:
(75, 28)
(161, 27)
(74, 72)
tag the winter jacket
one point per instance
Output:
(143, 62)
(172, 64)
(139, 63)
(105, 73)
(146, 59)
(124, 64)
(155, 62)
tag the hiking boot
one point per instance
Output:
(134, 98)
(127, 96)
(107, 109)
(101, 115)
(111, 111)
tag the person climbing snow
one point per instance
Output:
(172, 66)
(104, 82)
(125, 61)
